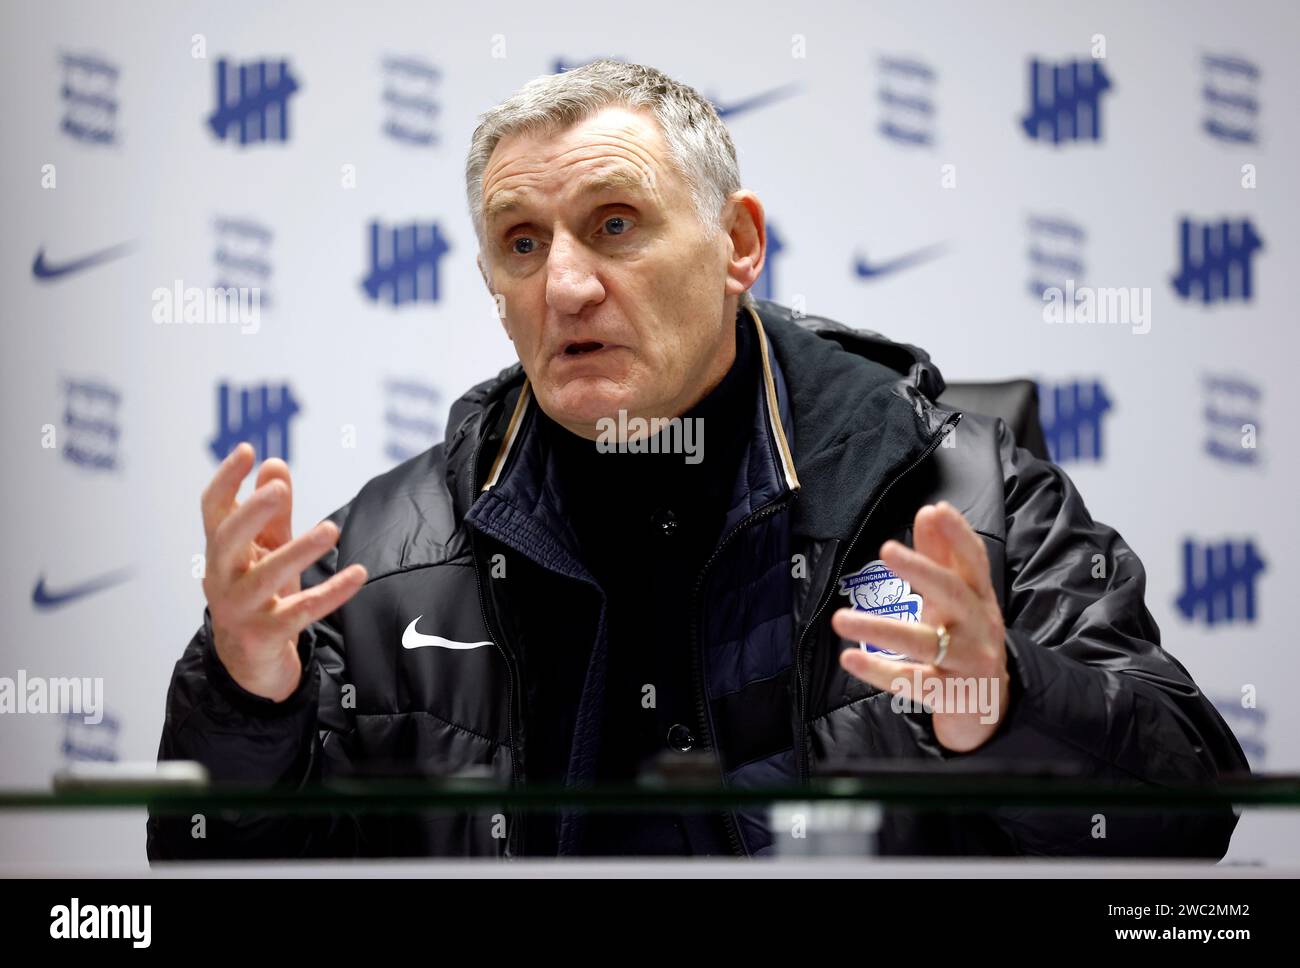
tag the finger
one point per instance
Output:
(943, 590)
(887, 674)
(279, 529)
(969, 556)
(283, 566)
(219, 496)
(929, 539)
(231, 552)
(296, 612)
(915, 640)
(930, 689)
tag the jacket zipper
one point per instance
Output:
(729, 818)
(805, 757)
(697, 668)
(513, 820)
(510, 694)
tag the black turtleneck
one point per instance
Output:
(646, 523)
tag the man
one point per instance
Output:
(540, 598)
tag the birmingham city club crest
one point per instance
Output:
(877, 590)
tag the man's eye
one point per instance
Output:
(616, 225)
(522, 245)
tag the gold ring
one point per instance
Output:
(944, 640)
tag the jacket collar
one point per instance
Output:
(519, 501)
(772, 393)
(840, 412)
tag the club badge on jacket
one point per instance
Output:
(877, 590)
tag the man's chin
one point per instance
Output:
(581, 403)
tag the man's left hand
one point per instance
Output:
(949, 567)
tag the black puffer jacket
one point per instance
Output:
(847, 444)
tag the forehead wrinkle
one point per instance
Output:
(607, 175)
(611, 178)
(641, 157)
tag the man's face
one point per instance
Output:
(615, 296)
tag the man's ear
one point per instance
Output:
(746, 226)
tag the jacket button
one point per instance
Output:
(680, 738)
(664, 522)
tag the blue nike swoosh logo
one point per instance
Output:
(42, 269)
(865, 270)
(753, 102)
(44, 598)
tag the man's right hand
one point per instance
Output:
(253, 578)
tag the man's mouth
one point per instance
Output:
(583, 347)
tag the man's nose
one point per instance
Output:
(571, 282)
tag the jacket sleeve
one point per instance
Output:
(245, 740)
(1092, 689)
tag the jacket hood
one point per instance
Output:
(904, 359)
(863, 409)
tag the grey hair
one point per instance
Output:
(698, 142)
